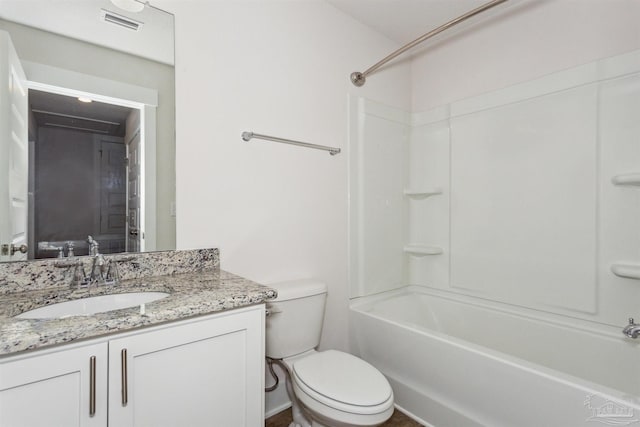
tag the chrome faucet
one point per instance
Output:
(632, 330)
(93, 246)
(103, 275)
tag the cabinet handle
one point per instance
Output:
(125, 392)
(92, 386)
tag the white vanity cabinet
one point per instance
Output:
(66, 386)
(205, 371)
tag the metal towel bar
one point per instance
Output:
(247, 136)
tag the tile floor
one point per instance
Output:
(397, 420)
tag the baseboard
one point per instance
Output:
(277, 410)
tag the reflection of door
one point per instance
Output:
(112, 192)
(13, 153)
(134, 231)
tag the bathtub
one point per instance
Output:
(455, 361)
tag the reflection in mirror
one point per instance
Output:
(78, 157)
(69, 169)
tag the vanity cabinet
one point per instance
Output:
(55, 387)
(203, 373)
(206, 371)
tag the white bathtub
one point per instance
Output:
(459, 362)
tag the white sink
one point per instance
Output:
(92, 305)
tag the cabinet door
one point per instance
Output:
(204, 372)
(55, 388)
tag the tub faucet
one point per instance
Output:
(632, 330)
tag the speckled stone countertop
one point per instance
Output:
(196, 287)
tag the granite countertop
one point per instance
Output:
(191, 294)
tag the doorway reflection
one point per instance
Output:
(79, 180)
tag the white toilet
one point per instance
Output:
(327, 388)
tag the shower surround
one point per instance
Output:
(524, 199)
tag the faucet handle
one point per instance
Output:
(632, 330)
(79, 276)
(70, 246)
(113, 275)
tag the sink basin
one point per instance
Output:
(92, 305)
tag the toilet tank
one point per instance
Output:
(295, 318)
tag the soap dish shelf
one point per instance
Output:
(628, 271)
(422, 250)
(422, 193)
(628, 179)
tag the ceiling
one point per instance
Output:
(85, 20)
(405, 20)
(400, 20)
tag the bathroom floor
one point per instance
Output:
(397, 420)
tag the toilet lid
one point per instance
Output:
(344, 378)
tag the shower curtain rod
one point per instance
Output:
(358, 78)
(246, 136)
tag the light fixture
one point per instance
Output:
(84, 99)
(129, 5)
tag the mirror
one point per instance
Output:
(68, 168)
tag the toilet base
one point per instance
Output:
(320, 420)
(313, 424)
(299, 417)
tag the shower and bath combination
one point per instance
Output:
(507, 204)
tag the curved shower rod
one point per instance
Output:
(358, 78)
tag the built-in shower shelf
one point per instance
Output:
(627, 179)
(422, 250)
(629, 271)
(422, 193)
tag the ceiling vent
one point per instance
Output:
(123, 21)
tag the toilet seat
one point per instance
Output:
(343, 383)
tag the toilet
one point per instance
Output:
(327, 388)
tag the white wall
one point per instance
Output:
(281, 68)
(531, 39)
